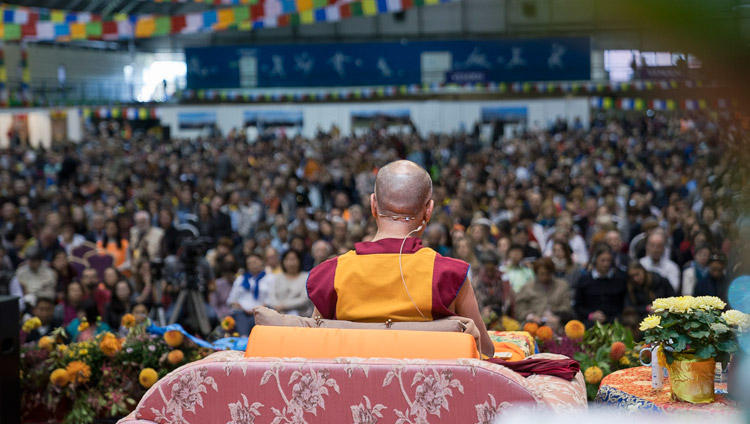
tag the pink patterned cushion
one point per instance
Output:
(227, 388)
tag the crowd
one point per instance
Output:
(559, 223)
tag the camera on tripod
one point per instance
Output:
(193, 250)
(191, 277)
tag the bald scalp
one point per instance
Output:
(402, 187)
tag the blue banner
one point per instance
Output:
(376, 64)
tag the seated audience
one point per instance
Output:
(87, 313)
(44, 310)
(217, 298)
(695, 270)
(715, 283)
(287, 290)
(657, 261)
(643, 287)
(600, 293)
(248, 291)
(37, 279)
(493, 292)
(120, 304)
(67, 310)
(517, 273)
(115, 245)
(544, 295)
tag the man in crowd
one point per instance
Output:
(656, 261)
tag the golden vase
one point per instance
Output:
(692, 378)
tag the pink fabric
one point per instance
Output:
(227, 388)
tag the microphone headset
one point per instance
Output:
(401, 269)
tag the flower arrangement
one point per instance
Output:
(688, 324)
(101, 377)
(601, 350)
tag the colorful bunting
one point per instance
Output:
(627, 104)
(33, 24)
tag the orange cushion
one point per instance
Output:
(326, 343)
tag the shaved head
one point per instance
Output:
(402, 187)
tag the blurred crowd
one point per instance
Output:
(565, 222)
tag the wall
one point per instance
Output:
(428, 116)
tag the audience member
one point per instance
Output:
(545, 295)
(287, 290)
(600, 293)
(248, 291)
(657, 261)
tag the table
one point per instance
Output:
(631, 389)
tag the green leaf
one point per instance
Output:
(719, 328)
(728, 346)
(680, 342)
(699, 334)
(705, 352)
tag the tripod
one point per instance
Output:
(195, 308)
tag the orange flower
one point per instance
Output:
(617, 351)
(175, 357)
(148, 377)
(78, 372)
(575, 330)
(544, 333)
(128, 320)
(59, 377)
(227, 323)
(110, 344)
(531, 327)
(46, 342)
(173, 338)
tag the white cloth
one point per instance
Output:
(246, 298)
(666, 268)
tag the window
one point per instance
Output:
(434, 65)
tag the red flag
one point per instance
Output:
(345, 11)
(256, 11)
(28, 30)
(109, 30)
(178, 23)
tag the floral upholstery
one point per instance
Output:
(228, 388)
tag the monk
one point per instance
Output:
(393, 276)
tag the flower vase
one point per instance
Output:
(691, 378)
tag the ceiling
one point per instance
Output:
(111, 7)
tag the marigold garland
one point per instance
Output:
(575, 330)
(175, 357)
(173, 338)
(128, 321)
(31, 324)
(227, 324)
(544, 333)
(46, 342)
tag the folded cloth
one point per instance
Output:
(563, 368)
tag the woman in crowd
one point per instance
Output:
(120, 303)
(643, 287)
(288, 290)
(600, 293)
(463, 250)
(492, 290)
(695, 270)
(222, 286)
(565, 268)
(144, 285)
(546, 297)
(67, 310)
(87, 313)
(114, 244)
(65, 272)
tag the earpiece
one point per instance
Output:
(420, 227)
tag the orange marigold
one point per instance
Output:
(531, 327)
(173, 338)
(110, 345)
(59, 377)
(227, 323)
(128, 320)
(78, 372)
(544, 333)
(46, 342)
(575, 330)
(175, 357)
(617, 351)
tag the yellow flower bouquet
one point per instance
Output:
(694, 333)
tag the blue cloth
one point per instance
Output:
(227, 343)
(246, 282)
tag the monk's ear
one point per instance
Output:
(373, 206)
(428, 211)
